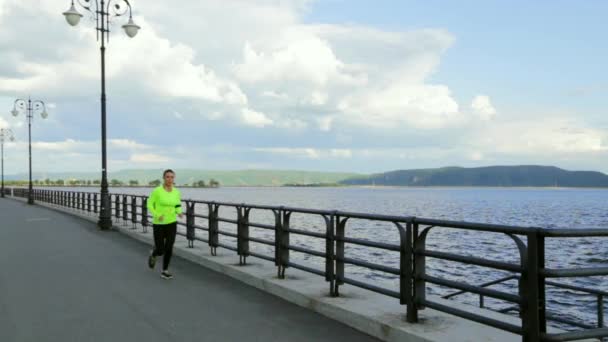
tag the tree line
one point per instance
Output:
(212, 183)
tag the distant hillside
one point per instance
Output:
(188, 176)
(525, 176)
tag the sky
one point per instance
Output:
(326, 85)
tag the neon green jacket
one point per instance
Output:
(166, 204)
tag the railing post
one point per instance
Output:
(89, 202)
(242, 233)
(533, 321)
(340, 235)
(407, 271)
(284, 243)
(213, 227)
(125, 207)
(116, 206)
(278, 228)
(134, 211)
(330, 258)
(190, 230)
(419, 247)
(144, 214)
(95, 203)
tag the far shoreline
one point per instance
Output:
(307, 186)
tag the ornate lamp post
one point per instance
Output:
(5, 134)
(103, 11)
(29, 107)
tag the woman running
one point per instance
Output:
(164, 204)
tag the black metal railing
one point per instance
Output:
(277, 238)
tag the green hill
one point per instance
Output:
(524, 176)
(188, 176)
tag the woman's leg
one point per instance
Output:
(159, 240)
(171, 231)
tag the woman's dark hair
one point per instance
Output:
(167, 171)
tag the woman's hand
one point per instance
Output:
(161, 218)
(181, 216)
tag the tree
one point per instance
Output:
(60, 182)
(96, 182)
(155, 182)
(199, 184)
(214, 184)
(115, 182)
(133, 182)
(89, 182)
(47, 181)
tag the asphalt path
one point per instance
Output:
(61, 279)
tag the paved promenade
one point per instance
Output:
(61, 279)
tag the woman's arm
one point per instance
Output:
(152, 203)
(178, 207)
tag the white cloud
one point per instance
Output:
(482, 106)
(419, 106)
(325, 123)
(127, 144)
(256, 119)
(60, 146)
(213, 116)
(4, 123)
(298, 55)
(341, 153)
(149, 158)
(275, 95)
(476, 156)
(291, 123)
(307, 152)
(319, 98)
(550, 136)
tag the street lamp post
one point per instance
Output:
(30, 107)
(5, 134)
(102, 15)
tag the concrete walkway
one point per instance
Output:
(61, 279)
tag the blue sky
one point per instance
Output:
(330, 85)
(553, 49)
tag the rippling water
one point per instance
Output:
(549, 208)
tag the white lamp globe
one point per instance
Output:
(131, 28)
(72, 16)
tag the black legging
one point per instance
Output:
(164, 237)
